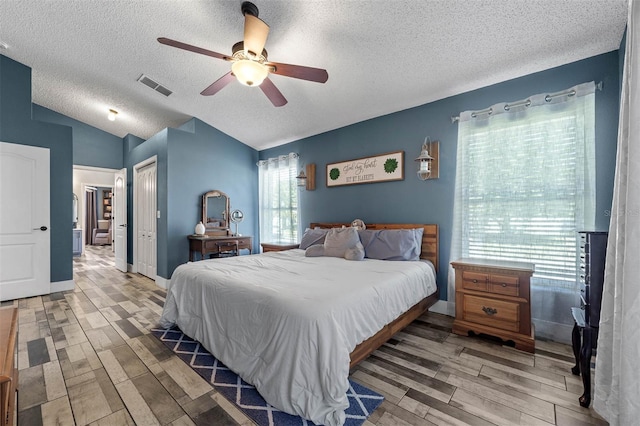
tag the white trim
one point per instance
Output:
(62, 286)
(443, 307)
(151, 160)
(163, 282)
(94, 169)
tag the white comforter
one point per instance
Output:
(287, 323)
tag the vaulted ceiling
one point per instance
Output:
(381, 56)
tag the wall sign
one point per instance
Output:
(381, 168)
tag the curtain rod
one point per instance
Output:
(525, 102)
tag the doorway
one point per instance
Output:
(145, 217)
(84, 178)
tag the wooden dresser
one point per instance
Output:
(8, 370)
(208, 245)
(493, 297)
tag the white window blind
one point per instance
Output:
(525, 184)
(278, 199)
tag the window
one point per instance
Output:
(525, 184)
(278, 194)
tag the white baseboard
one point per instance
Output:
(443, 307)
(162, 282)
(62, 286)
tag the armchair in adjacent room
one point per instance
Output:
(102, 234)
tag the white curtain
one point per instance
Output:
(525, 184)
(278, 199)
(617, 376)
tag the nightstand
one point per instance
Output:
(493, 297)
(279, 246)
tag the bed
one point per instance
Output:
(292, 325)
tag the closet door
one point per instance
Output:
(146, 220)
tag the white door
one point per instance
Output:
(145, 210)
(24, 221)
(119, 224)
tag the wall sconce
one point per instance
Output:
(428, 159)
(112, 115)
(307, 180)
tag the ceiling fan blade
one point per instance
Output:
(185, 46)
(297, 71)
(272, 92)
(255, 34)
(219, 84)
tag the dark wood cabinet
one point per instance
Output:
(592, 253)
(214, 245)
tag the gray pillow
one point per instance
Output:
(315, 250)
(338, 240)
(313, 236)
(392, 244)
(355, 253)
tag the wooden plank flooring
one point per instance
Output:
(86, 358)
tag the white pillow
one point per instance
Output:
(339, 240)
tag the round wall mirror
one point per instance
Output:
(236, 217)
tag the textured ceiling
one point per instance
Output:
(382, 56)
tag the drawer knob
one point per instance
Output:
(475, 281)
(489, 311)
(504, 284)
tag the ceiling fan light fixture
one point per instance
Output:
(249, 73)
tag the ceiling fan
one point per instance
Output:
(249, 60)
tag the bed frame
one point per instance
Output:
(429, 252)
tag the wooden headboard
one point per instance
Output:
(429, 236)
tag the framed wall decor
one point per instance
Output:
(380, 168)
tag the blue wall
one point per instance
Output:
(197, 158)
(192, 160)
(202, 158)
(415, 201)
(17, 126)
(91, 146)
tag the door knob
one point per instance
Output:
(124, 225)
(42, 228)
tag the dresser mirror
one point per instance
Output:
(215, 212)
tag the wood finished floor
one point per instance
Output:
(86, 358)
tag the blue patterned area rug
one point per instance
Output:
(362, 401)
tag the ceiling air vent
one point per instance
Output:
(154, 85)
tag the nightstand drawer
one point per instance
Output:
(492, 312)
(475, 281)
(504, 284)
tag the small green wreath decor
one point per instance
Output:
(390, 165)
(334, 174)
